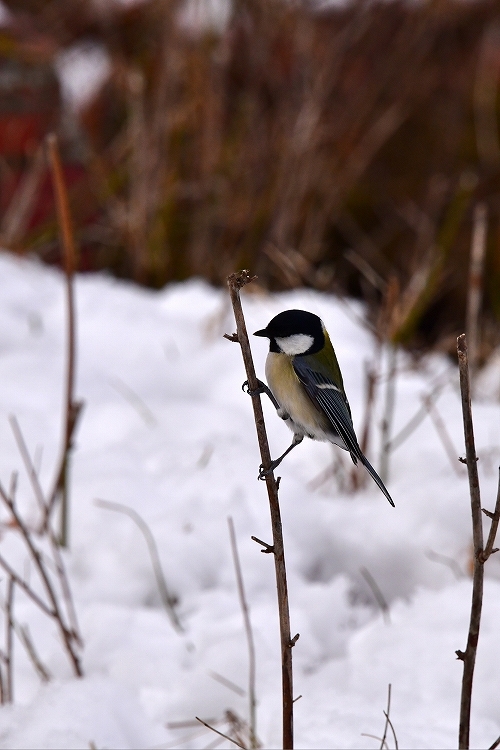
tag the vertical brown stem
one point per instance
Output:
(235, 282)
(474, 293)
(9, 645)
(69, 257)
(469, 656)
(390, 400)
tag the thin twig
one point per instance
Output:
(2, 684)
(235, 282)
(390, 400)
(474, 292)
(469, 656)
(446, 560)
(495, 518)
(226, 737)
(495, 744)
(227, 683)
(396, 745)
(442, 432)
(20, 209)
(358, 478)
(9, 641)
(249, 634)
(23, 633)
(67, 636)
(26, 588)
(416, 420)
(72, 408)
(374, 737)
(28, 464)
(379, 597)
(38, 492)
(169, 601)
(386, 714)
(65, 587)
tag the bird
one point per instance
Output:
(306, 387)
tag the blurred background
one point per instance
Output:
(344, 147)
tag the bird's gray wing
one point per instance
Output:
(331, 400)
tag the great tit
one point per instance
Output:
(306, 387)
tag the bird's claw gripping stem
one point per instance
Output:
(263, 473)
(262, 388)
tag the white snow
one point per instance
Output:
(167, 430)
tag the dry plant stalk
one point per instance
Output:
(474, 292)
(480, 554)
(73, 407)
(169, 600)
(69, 633)
(249, 635)
(235, 282)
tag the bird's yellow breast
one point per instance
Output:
(293, 399)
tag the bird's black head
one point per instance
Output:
(294, 332)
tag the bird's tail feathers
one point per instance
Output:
(376, 478)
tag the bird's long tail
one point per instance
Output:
(375, 477)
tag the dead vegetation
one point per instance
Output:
(343, 149)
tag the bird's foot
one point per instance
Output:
(262, 388)
(263, 473)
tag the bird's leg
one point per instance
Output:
(262, 389)
(263, 473)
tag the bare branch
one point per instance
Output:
(67, 636)
(26, 588)
(38, 492)
(469, 656)
(495, 518)
(386, 714)
(9, 642)
(23, 633)
(226, 737)
(235, 282)
(249, 634)
(28, 464)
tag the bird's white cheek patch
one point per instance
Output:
(298, 343)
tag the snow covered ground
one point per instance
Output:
(167, 431)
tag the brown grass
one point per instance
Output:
(289, 138)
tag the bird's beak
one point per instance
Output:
(262, 333)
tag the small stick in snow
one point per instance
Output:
(249, 634)
(169, 601)
(235, 282)
(379, 597)
(69, 637)
(9, 642)
(226, 737)
(442, 432)
(38, 492)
